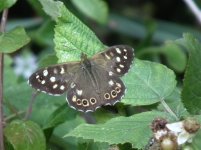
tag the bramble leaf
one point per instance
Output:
(25, 135)
(120, 130)
(71, 36)
(151, 82)
(6, 4)
(191, 94)
(13, 40)
(94, 9)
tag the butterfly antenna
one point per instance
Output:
(29, 110)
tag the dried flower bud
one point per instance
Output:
(191, 125)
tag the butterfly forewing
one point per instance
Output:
(54, 80)
(116, 60)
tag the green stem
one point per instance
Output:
(29, 111)
(168, 109)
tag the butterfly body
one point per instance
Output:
(89, 83)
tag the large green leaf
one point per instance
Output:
(148, 83)
(71, 35)
(95, 9)
(135, 130)
(175, 56)
(60, 115)
(13, 40)
(44, 104)
(25, 135)
(6, 4)
(191, 94)
(62, 129)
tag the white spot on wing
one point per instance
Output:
(62, 87)
(110, 73)
(62, 70)
(55, 86)
(79, 92)
(118, 50)
(111, 82)
(72, 85)
(118, 70)
(118, 84)
(52, 79)
(43, 82)
(118, 59)
(74, 98)
(37, 76)
(55, 71)
(125, 57)
(122, 66)
(45, 72)
(108, 57)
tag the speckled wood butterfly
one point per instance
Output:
(89, 83)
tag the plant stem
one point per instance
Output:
(29, 111)
(2, 29)
(194, 8)
(168, 109)
(16, 115)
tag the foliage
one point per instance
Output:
(155, 84)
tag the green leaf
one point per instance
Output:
(44, 104)
(196, 144)
(94, 9)
(59, 116)
(13, 40)
(175, 56)
(134, 129)
(6, 4)
(64, 128)
(151, 82)
(52, 8)
(191, 94)
(25, 135)
(10, 78)
(48, 60)
(71, 36)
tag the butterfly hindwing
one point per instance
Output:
(116, 60)
(53, 80)
(89, 94)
